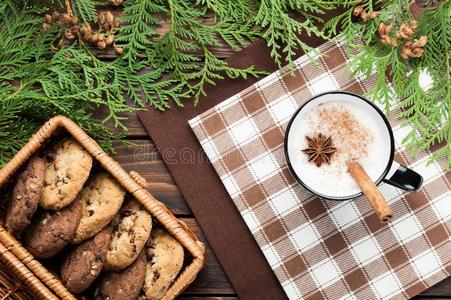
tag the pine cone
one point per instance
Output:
(101, 18)
(358, 10)
(118, 50)
(406, 53)
(385, 40)
(393, 42)
(101, 45)
(420, 43)
(116, 2)
(67, 19)
(373, 15)
(109, 19)
(404, 32)
(95, 38)
(69, 34)
(85, 30)
(388, 28)
(74, 20)
(364, 16)
(413, 25)
(109, 40)
(382, 29)
(48, 19)
(417, 52)
(56, 16)
(384, 33)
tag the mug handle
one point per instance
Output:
(403, 178)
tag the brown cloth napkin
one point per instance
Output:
(210, 203)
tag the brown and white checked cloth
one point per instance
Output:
(319, 248)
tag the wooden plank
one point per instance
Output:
(212, 279)
(131, 120)
(135, 128)
(219, 51)
(441, 289)
(144, 158)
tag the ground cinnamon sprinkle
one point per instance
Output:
(349, 135)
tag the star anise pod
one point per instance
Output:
(319, 149)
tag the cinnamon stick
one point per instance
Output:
(371, 192)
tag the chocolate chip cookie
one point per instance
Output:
(125, 284)
(129, 236)
(101, 199)
(51, 231)
(25, 196)
(66, 170)
(164, 260)
(82, 266)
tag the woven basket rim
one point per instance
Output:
(131, 182)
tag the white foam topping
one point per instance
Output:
(357, 133)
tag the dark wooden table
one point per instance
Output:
(212, 283)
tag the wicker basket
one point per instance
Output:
(33, 274)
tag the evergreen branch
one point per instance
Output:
(215, 69)
(85, 10)
(37, 84)
(173, 53)
(139, 29)
(425, 111)
(281, 31)
(230, 10)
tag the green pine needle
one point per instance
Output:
(85, 10)
(162, 69)
(37, 84)
(427, 112)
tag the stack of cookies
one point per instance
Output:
(60, 207)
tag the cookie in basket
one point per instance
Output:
(164, 260)
(83, 265)
(129, 236)
(125, 284)
(51, 231)
(25, 196)
(101, 199)
(66, 170)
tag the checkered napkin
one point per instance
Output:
(319, 248)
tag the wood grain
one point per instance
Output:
(144, 158)
(212, 279)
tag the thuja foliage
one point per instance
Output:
(162, 66)
(195, 27)
(37, 83)
(426, 110)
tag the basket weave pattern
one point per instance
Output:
(33, 274)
